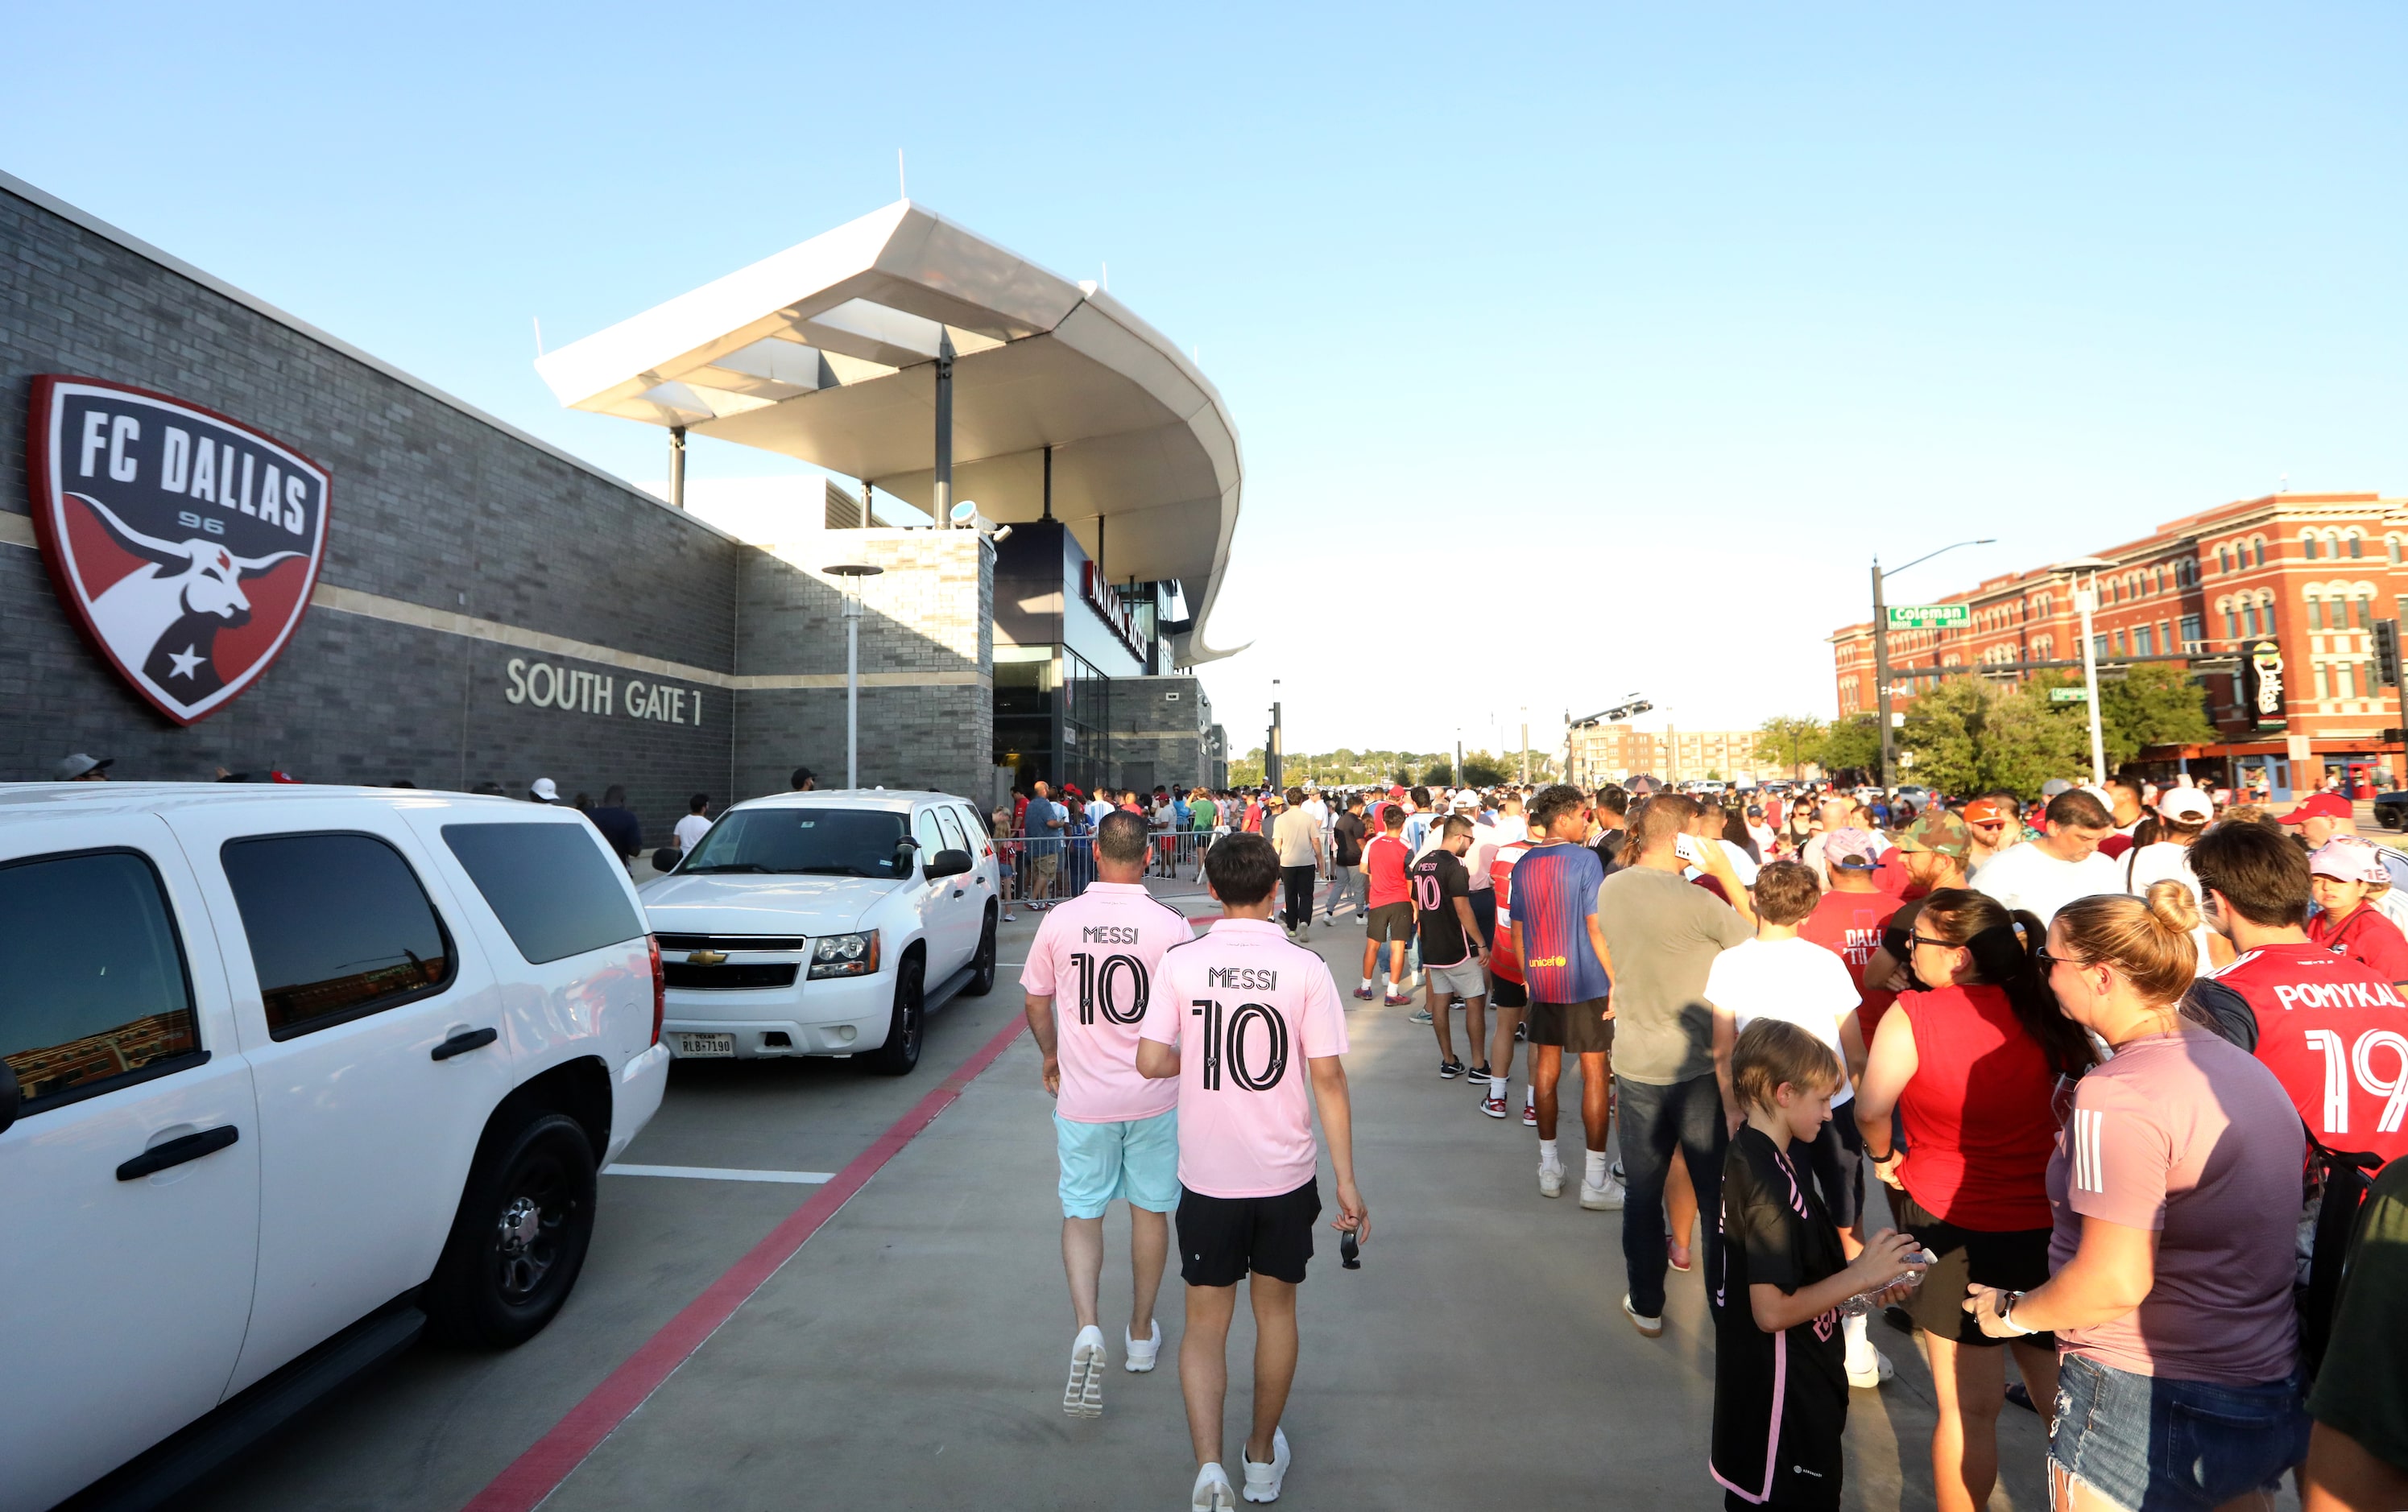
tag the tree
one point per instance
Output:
(1247, 770)
(1439, 774)
(1944, 729)
(1790, 741)
(1482, 770)
(1852, 745)
(2152, 703)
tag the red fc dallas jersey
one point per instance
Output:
(2336, 1035)
(1502, 960)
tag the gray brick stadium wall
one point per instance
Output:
(435, 506)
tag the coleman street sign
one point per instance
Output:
(1929, 616)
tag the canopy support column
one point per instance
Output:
(944, 511)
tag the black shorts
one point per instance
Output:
(1484, 912)
(1505, 994)
(1579, 1028)
(1390, 921)
(1222, 1239)
(2016, 1260)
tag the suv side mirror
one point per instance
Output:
(946, 864)
(12, 1096)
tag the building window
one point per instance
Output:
(2143, 644)
(2365, 613)
(2321, 692)
(2315, 614)
(2308, 545)
(2391, 544)
(2232, 625)
(2258, 549)
(2194, 630)
(2366, 681)
(2098, 646)
(2353, 543)
(2223, 559)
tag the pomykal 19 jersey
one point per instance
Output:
(2336, 1035)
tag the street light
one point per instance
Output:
(2086, 602)
(853, 572)
(1880, 643)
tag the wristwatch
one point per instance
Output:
(2007, 1300)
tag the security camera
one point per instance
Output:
(1002, 532)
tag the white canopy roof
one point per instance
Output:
(827, 352)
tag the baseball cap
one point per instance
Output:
(2054, 786)
(79, 765)
(1852, 848)
(1983, 811)
(2184, 802)
(543, 788)
(2348, 859)
(1939, 832)
(2322, 805)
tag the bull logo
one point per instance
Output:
(184, 544)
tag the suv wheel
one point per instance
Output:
(901, 1051)
(981, 980)
(519, 1238)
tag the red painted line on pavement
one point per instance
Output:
(534, 1475)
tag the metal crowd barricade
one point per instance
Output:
(1060, 867)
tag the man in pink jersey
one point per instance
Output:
(1251, 1026)
(1116, 1132)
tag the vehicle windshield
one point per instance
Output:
(824, 842)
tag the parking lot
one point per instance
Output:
(911, 1353)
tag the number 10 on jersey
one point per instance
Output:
(1225, 1039)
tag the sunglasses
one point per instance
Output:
(1937, 945)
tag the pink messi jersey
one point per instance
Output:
(1097, 957)
(1245, 1010)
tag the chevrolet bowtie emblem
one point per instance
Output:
(706, 958)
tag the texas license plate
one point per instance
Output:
(703, 1044)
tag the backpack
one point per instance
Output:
(2341, 1180)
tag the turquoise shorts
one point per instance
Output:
(1138, 1161)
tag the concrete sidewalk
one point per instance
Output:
(912, 1354)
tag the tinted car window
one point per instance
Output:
(974, 824)
(829, 842)
(92, 987)
(953, 824)
(931, 838)
(339, 927)
(549, 884)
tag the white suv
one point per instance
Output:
(281, 1067)
(816, 924)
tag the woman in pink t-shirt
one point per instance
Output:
(2176, 1189)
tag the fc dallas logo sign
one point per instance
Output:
(185, 544)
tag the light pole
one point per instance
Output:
(853, 572)
(2085, 603)
(1880, 643)
(1273, 767)
(1525, 745)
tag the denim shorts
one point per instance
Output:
(2157, 1445)
(1138, 1161)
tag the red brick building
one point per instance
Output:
(2310, 572)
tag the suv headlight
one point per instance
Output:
(844, 955)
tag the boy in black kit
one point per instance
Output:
(1781, 1381)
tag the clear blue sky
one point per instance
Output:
(1575, 351)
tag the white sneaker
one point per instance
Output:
(1212, 1492)
(1084, 1397)
(1141, 1353)
(1263, 1480)
(1604, 1199)
(1550, 1180)
(1873, 1376)
(1651, 1327)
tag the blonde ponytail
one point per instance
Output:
(2150, 942)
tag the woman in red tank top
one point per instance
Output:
(1970, 1068)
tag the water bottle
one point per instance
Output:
(1918, 1260)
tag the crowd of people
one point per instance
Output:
(2105, 1084)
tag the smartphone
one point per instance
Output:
(1685, 847)
(1350, 1254)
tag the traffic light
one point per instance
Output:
(2386, 653)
